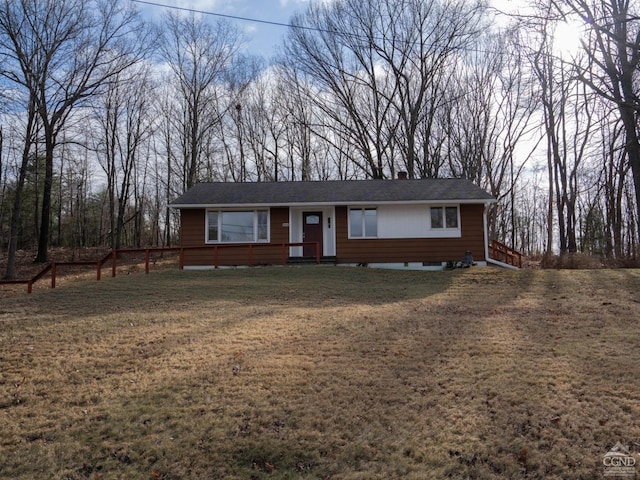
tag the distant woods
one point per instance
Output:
(105, 118)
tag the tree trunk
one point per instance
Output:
(632, 147)
(45, 224)
(17, 202)
(549, 250)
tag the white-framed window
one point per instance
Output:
(445, 217)
(363, 223)
(237, 226)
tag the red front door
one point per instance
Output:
(312, 232)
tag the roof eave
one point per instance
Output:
(468, 201)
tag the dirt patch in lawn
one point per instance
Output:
(321, 372)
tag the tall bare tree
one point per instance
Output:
(304, 122)
(3, 184)
(568, 118)
(124, 125)
(613, 72)
(606, 203)
(28, 141)
(337, 53)
(489, 118)
(199, 54)
(63, 52)
(379, 72)
(424, 41)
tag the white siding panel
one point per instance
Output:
(295, 231)
(410, 221)
(407, 221)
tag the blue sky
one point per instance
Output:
(261, 38)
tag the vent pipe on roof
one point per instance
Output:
(402, 175)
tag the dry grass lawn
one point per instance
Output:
(320, 372)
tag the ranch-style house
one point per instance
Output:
(400, 223)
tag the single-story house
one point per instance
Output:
(401, 223)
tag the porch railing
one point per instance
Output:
(503, 253)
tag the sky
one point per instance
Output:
(261, 38)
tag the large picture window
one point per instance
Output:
(237, 226)
(444, 217)
(363, 223)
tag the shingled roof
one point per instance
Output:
(350, 192)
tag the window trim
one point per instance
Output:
(256, 216)
(444, 227)
(363, 222)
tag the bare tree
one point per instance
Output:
(28, 141)
(488, 118)
(423, 42)
(241, 116)
(124, 126)
(569, 122)
(304, 124)
(63, 52)
(378, 72)
(613, 48)
(198, 54)
(266, 120)
(166, 152)
(339, 57)
(3, 186)
(77, 221)
(613, 173)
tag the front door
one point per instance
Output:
(311, 232)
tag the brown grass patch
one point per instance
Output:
(579, 261)
(321, 372)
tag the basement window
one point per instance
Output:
(237, 226)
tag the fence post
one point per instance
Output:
(146, 261)
(53, 275)
(113, 263)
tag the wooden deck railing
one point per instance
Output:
(503, 253)
(114, 254)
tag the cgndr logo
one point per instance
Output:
(619, 462)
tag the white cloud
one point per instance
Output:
(205, 5)
(287, 3)
(297, 3)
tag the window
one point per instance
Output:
(444, 217)
(237, 226)
(263, 225)
(363, 223)
(212, 226)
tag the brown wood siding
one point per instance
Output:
(400, 250)
(192, 234)
(393, 250)
(192, 225)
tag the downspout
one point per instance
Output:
(290, 249)
(486, 232)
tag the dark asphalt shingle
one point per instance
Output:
(332, 192)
